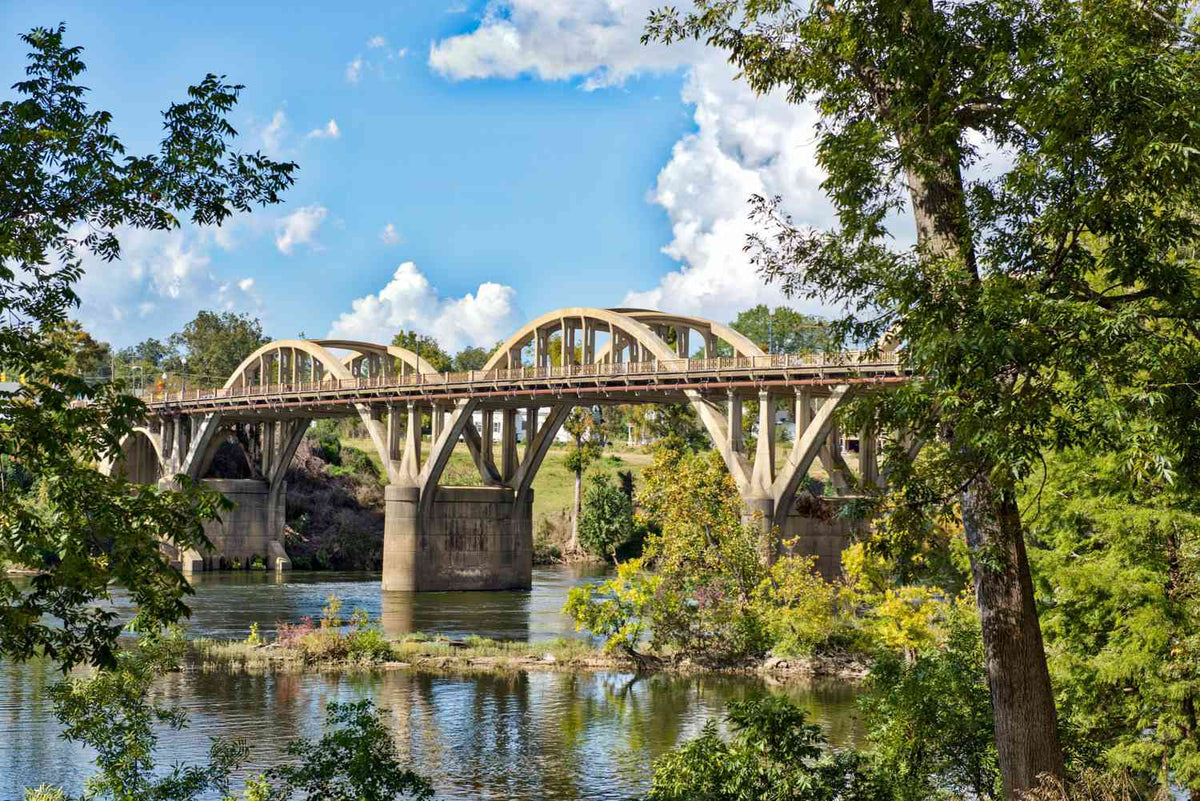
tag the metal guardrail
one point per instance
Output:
(849, 359)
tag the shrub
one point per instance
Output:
(254, 639)
(607, 519)
(289, 635)
(326, 446)
(357, 462)
(797, 606)
(774, 753)
(368, 644)
(355, 760)
(929, 720)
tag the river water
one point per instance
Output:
(521, 736)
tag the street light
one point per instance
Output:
(183, 380)
(137, 386)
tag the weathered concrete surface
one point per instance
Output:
(823, 537)
(474, 538)
(253, 529)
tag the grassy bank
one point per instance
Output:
(328, 650)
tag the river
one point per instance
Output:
(521, 736)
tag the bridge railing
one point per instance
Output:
(508, 375)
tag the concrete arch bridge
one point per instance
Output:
(439, 537)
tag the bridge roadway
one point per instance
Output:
(438, 537)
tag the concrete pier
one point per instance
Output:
(473, 538)
(253, 529)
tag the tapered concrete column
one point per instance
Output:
(268, 447)
(508, 447)
(531, 425)
(868, 457)
(734, 414)
(437, 420)
(487, 436)
(410, 462)
(763, 476)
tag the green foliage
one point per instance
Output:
(355, 760)
(606, 522)
(929, 720)
(470, 358)
(110, 713)
(1119, 576)
(426, 347)
(774, 753)
(693, 591)
(782, 330)
(798, 607)
(353, 461)
(325, 443)
(621, 609)
(216, 343)
(71, 190)
(254, 638)
(331, 613)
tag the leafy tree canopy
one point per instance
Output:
(70, 189)
(782, 330)
(215, 343)
(1046, 154)
(426, 347)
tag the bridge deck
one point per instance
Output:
(657, 381)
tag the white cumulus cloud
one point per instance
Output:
(390, 236)
(329, 131)
(376, 42)
(162, 279)
(409, 300)
(354, 70)
(246, 284)
(742, 143)
(299, 227)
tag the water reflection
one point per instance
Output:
(226, 604)
(521, 735)
(535, 735)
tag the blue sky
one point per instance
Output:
(464, 166)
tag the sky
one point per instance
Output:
(464, 166)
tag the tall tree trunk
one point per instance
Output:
(573, 545)
(1022, 700)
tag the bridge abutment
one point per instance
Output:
(471, 538)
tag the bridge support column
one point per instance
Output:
(471, 538)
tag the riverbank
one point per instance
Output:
(325, 651)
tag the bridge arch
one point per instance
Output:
(390, 359)
(140, 460)
(322, 365)
(628, 336)
(712, 331)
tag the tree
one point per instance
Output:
(1120, 573)
(111, 713)
(426, 347)
(606, 521)
(470, 358)
(216, 343)
(355, 760)
(781, 330)
(1051, 294)
(70, 189)
(585, 449)
(86, 356)
(774, 753)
